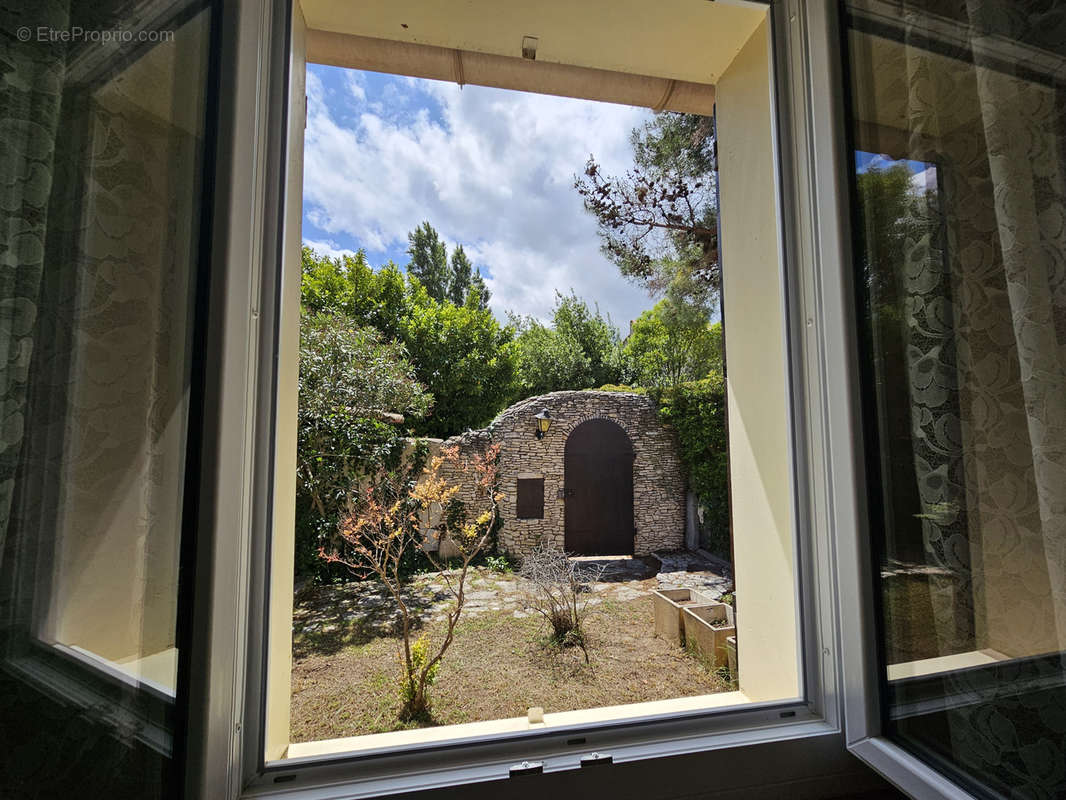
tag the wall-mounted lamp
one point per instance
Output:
(544, 421)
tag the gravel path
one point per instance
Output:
(367, 607)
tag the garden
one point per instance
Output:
(408, 611)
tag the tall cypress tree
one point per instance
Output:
(462, 272)
(477, 296)
(429, 261)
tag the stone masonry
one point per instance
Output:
(658, 482)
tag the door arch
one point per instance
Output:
(598, 490)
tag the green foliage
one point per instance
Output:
(454, 281)
(466, 359)
(658, 221)
(621, 387)
(672, 141)
(350, 286)
(696, 410)
(412, 704)
(478, 295)
(499, 563)
(429, 261)
(350, 379)
(460, 352)
(579, 350)
(462, 275)
(888, 212)
(673, 343)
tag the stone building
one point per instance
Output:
(604, 479)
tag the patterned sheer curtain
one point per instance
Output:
(1024, 134)
(967, 331)
(31, 89)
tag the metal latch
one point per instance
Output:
(596, 759)
(527, 768)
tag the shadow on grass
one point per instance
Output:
(328, 619)
(619, 570)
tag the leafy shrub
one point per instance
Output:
(616, 387)
(420, 662)
(696, 410)
(499, 563)
(350, 380)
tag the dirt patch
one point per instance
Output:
(344, 681)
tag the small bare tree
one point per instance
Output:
(386, 522)
(557, 589)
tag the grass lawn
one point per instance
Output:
(497, 667)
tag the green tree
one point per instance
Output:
(460, 351)
(464, 356)
(548, 361)
(478, 294)
(597, 337)
(352, 384)
(658, 221)
(673, 343)
(890, 212)
(461, 276)
(581, 349)
(429, 261)
(350, 286)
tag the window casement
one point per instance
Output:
(891, 197)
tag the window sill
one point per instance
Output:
(932, 666)
(355, 745)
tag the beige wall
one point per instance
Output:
(756, 373)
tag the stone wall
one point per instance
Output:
(658, 482)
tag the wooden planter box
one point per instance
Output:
(707, 627)
(731, 652)
(670, 605)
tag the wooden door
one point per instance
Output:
(598, 480)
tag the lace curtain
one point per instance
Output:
(31, 89)
(986, 341)
(970, 91)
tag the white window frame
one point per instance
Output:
(225, 743)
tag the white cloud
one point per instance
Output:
(353, 82)
(328, 248)
(493, 170)
(924, 181)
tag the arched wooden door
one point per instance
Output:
(598, 480)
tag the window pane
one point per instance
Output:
(957, 120)
(103, 150)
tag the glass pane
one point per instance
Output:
(103, 117)
(957, 122)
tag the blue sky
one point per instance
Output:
(924, 174)
(490, 169)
